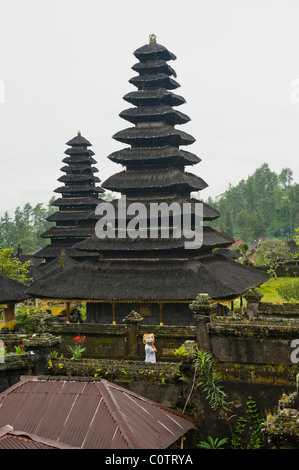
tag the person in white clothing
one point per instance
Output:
(150, 350)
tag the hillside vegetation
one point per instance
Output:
(266, 205)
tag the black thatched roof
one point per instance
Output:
(171, 178)
(154, 80)
(154, 113)
(79, 159)
(79, 141)
(159, 66)
(69, 231)
(84, 189)
(84, 168)
(211, 238)
(209, 213)
(160, 135)
(153, 51)
(73, 177)
(11, 291)
(79, 198)
(151, 280)
(75, 202)
(56, 266)
(81, 152)
(69, 215)
(154, 97)
(166, 154)
(51, 252)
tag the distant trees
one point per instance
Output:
(273, 253)
(25, 227)
(28, 223)
(266, 204)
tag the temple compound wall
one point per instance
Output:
(265, 335)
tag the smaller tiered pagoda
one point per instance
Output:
(79, 198)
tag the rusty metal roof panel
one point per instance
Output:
(155, 428)
(16, 442)
(79, 420)
(13, 439)
(89, 414)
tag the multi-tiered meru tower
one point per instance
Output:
(78, 199)
(157, 276)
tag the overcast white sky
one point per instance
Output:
(65, 66)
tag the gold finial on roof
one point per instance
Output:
(152, 39)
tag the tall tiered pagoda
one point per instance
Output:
(156, 276)
(79, 196)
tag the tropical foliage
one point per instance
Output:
(12, 267)
(25, 227)
(266, 204)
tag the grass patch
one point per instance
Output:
(268, 289)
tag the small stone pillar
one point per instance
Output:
(132, 321)
(203, 307)
(253, 298)
(8, 313)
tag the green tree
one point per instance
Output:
(289, 291)
(265, 204)
(209, 382)
(26, 227)
(272, 253)
(12, 267)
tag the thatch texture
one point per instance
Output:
(209, 213)
(56, 266)
(79, 141)
(79, 178)
(154, 97)
(69, 215)
(163, 135)
(69, 231)
(211, 238)
(79, 199)
(11, 291)
(154, 113)
(150, 280)
(159, 66)
(51, 252)
(166, 154)
(153, 52)
(154, 80)
(79, 189)
(170, 178)
(84, 168)
(87, 202)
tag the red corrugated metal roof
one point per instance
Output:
(12, 439)
(90, 414)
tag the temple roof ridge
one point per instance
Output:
(79, 141)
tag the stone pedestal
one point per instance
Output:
(8, 313)
(253, 298)
(203, 307)
(132, 321)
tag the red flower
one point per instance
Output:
(22, 346)
(77, 338)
